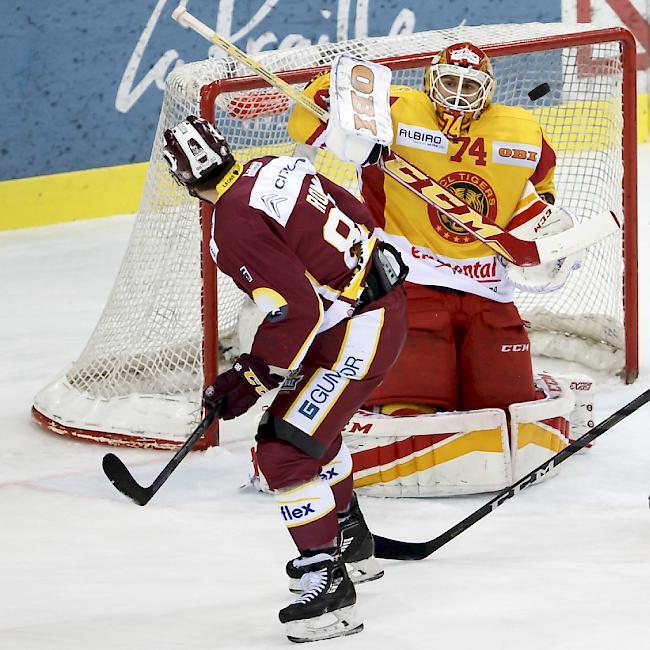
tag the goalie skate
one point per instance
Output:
(325, 608)
(356, 546)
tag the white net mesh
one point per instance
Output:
(141, 370)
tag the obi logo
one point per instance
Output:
(291, 514)
(516, 347)
(519, 154)
(515, 153)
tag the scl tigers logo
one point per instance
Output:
(473, 190)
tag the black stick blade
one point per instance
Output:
(393, 549)
(121, 478)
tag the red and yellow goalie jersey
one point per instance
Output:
(489, 167)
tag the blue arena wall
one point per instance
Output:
(81, 81)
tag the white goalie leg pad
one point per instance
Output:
(441, 454)
(540, 429)
(359, 108)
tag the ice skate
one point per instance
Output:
(325, 608)
(356, 547)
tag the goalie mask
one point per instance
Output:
(460, 83)
(196, 153)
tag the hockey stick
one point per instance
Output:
(519, 251)
(393, 549)
(119, 475)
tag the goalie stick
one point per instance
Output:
(119, 475)
(518, 251)
(392, 549)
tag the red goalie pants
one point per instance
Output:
(463, 352)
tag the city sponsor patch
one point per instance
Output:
(418, 137)
(278, 185)
(515, 153)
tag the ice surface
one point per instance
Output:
(563, 565)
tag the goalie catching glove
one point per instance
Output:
(240, 387)
(197, 155)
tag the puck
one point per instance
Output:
(539, 91)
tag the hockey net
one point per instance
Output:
(140, 377)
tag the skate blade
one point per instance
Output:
(365, 570)
(359, 572)
(342, 622)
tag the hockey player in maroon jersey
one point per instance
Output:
(303, 249)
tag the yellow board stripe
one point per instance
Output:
(107, 191)
(73, 196)
(488, 440)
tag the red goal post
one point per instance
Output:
(139, 380)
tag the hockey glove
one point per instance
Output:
(241, 386)
(196, 154)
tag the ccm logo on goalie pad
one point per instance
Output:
(516, 347)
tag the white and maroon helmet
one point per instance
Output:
(460, 83)
(196, 153)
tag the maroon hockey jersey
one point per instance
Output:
(298, 245)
